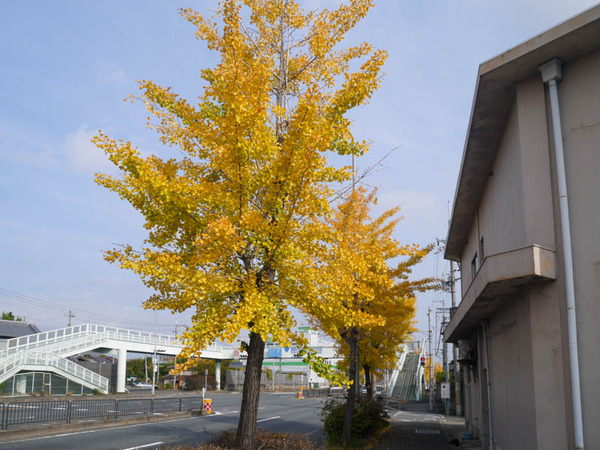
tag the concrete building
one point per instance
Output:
(525, 230)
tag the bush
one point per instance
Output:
(367, 419)
(440, 377)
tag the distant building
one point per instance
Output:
(11, 328)
(520, 374)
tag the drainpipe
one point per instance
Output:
(484, 326)
(551, 73)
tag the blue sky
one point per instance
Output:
(66, 67)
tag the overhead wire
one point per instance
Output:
(80, 312)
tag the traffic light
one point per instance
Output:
(423, 361)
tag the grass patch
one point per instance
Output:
(264, 441)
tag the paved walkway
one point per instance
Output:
(415, 428)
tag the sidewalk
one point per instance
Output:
(413, 427)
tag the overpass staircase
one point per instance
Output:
(48, 351)
(406, 384)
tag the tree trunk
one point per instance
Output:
(352, 340)
(249, 411)
(368, 381)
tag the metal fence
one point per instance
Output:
(317, 392)
(45, 412)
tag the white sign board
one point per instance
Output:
(445, 389)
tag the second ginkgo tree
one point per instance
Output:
(365, 303)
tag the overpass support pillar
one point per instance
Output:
(218, 374)
(121, 369)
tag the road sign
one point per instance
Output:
(236, 353)
(205, 371)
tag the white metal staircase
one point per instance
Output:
(47, 351)
(44, 361)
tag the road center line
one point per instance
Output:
(143, 446)
(268, 418)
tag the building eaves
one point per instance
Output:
(494, 96)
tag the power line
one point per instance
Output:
(81, 313)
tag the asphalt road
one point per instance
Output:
(277, 412)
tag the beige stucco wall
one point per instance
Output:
(579, 97)
(501, 211)
(513, 400)
(549, 367)
(529, 349)
(500, 218)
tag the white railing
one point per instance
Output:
(14, 362)
(81, 335)
(68, 334)
(78, 336)
(397, 369)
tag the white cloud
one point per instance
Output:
(82, 155)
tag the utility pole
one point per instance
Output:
(175, 358)
(154, 362)
(431, 390)
(455, 347)
(445, 356)
(70, 316)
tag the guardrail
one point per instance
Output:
(315, 392)
(68, 411)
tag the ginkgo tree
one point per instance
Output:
(379, 346)
(240, 204)
(365, 304)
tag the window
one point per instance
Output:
(481, 252)
(474, 266)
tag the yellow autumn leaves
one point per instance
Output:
(239, 225)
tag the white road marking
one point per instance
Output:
(143, 446)
(268, 418)
(52, 436)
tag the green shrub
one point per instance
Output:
(440, 377)
(369, 417)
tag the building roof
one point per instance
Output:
(494, 96)
(12, 328)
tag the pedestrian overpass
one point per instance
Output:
(48, 352)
